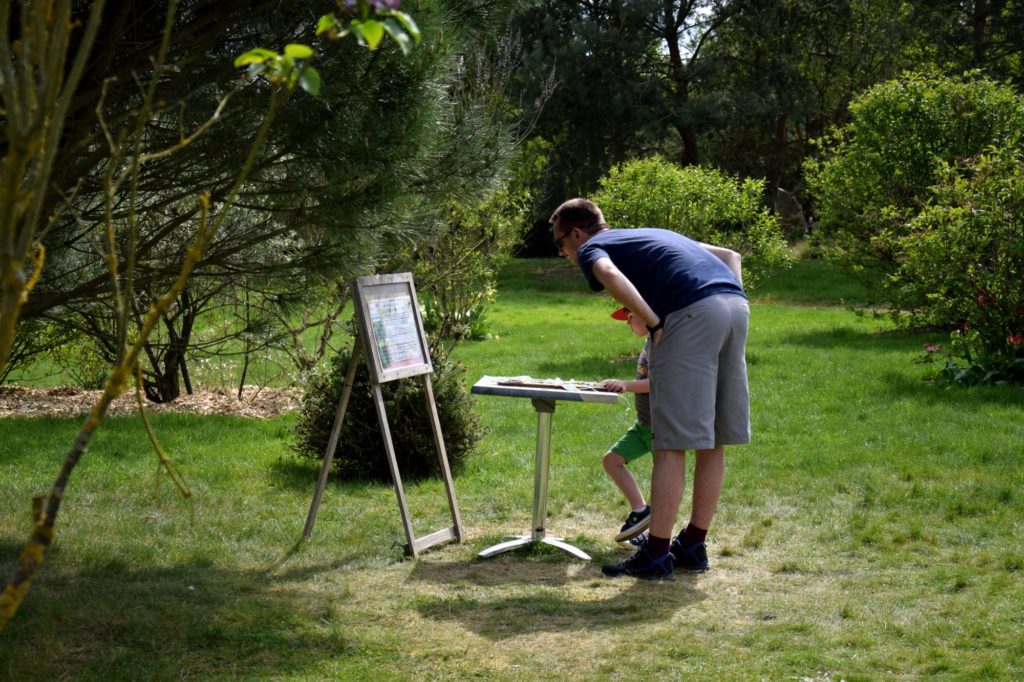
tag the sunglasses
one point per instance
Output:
(558, 242)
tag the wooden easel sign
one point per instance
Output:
(390, 330)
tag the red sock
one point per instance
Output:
(657, 547)
(692, 536)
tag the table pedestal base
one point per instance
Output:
(544, 408)
(525, 540)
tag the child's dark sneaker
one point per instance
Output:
(635, 524)
(693, 558)
(638, 541)
(642, 565)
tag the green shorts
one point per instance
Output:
(634, 444)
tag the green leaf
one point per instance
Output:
(327, 22)
(407, 22)
(256, 69)
(255, 56)
(399, 35)
(298, 51)
(372, 31)
(309, 80)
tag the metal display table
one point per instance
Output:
(542, 394)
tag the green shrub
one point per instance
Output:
(360, 454)
(455, 273)
(701, 203)
(79, 358)
(964, 254)
(33, 339)
(875, 173)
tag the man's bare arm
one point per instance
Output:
(623, 291)
(731, 258)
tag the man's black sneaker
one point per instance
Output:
(635, 524)
(642, 565)
(693, 558)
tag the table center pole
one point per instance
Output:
(545, 408)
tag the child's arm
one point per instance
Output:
(637, 386)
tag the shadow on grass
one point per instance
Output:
(530, 597)
(293, 471)
(38, 438)
(855, 339)
(967, 398)
(191, 620)
(302, 473)
(10, 550)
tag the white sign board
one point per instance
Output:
(392, 326)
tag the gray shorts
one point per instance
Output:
(698, 371)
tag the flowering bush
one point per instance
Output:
(964, 255)
(701, 203)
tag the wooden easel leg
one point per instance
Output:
(332, 444)
(396, 477)
(442, 457)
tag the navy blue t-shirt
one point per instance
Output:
(669, 270)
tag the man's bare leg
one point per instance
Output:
(653, 561)
(708, 475)
(668, 478)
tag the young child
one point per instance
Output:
(636, 442)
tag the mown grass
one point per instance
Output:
(871, 530)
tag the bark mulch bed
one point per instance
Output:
(67, 401)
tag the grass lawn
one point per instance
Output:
(871, 531)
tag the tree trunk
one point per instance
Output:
(689, 156)
(779, 162)
(163, 385)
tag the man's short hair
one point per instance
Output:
(581, 213)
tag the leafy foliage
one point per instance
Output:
(744, 85)
(702, 203)
(875, 174)
(360, 453)
(785, 70)
(588, 83)
(964, 254)
(369, 21)
(288, 68)
(972, 35)
(457, 271)
(33, 339)
(348, 180)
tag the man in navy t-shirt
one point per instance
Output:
(691, 297)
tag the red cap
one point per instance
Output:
(621, 314)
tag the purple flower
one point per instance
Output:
(377, 5)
